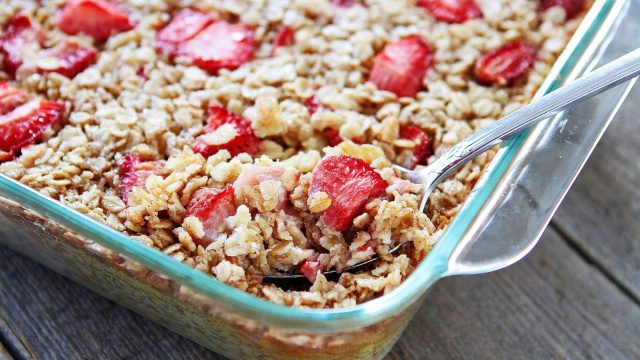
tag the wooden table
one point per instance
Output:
(576, 296)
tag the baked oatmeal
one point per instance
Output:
(251, 138)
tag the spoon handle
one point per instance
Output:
(612, 74)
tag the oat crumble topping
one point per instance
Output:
(245, 138)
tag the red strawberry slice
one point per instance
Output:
(221, 45)
(10, 97)
(310, 268)
(451, 11)
(401, 65)
(366, 252)
(571, 7)
(284, 37)
(244, 140)
(350, 183)
(184, 25)
(25, 125)
(312, 104)
(212, 207)
(333, 136)
(506, 63)
(96, 18)
(71, 58)
(134, 173)
(20, 38)
(422, 150)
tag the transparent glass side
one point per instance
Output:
(401, 301)
(542, 171)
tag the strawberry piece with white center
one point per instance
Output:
(284, 37)
(10, 97)
(221, 45)
(184, 25)
(96, 18)
(226, 130)
(21, 39)
(25, 125)
(401, 66)
(212, 207)
(421, 152)
(253, 175)
(67, 58)
(451, 11)
(350, 183)
(505, 64)
(310, 268)
(134, 173)
(571, 7)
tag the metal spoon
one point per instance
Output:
(610, 75)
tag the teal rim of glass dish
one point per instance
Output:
(432, 268)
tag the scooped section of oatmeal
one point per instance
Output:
(250, 138)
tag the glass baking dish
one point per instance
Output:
(498, 224)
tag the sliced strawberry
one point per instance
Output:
(20, 37)
(134, 173)
(366, 251)
(367, 248)
(506, 63)
(212, 207)
(334, 138)
(332, 135)
(284, 37)
(422, 150)
(10, 97)
(571, 7)
(243, 141)
(221, 45)
(141, 74)
(26, 124)
(350, 183)
(252, 175)
(70, 57)
(310, 268)
(184, 25)
(401, 65)
(451, 11)
(96, 18)
(312, 104)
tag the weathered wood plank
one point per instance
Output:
(62, 320)
(12, 343)
(551, 305)
(4, 354)
(600, 214)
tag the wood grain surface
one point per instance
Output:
(576, 296)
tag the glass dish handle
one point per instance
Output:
(540, 175)
(527, 202)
